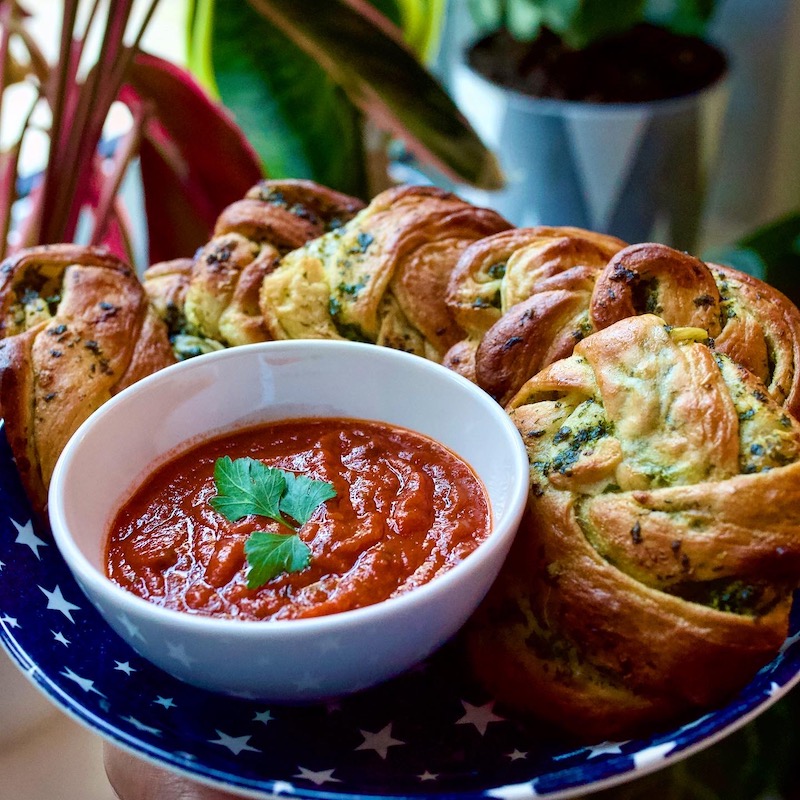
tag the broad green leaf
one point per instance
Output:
(364, 54)
(580, 22)
(270, 554)
(246, 486)
(297, 118)
(688, 17)
(771, 253)
(303, 495)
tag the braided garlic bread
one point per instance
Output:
(552, 272)
(77, 329)
(653, 574)
(382, 276)
(750, 321)
(213, 300)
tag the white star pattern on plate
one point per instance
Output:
(140, 726)
(323, 776)
(59, 637)
(605, 747)
(307, 681)
(650, 755)
(85, 684)
(516, 755)
(263, 716)
(130, 627)
(56, 602)
(178, 652)
(514, 791)
(380, 742)
(789, 642)
(479, 716)
(123, 666)
(236, 744)
(26, 536)
(166, 702)
(2, 564)
(9, 622)
(428, 776)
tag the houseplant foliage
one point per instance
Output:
(185, 183)
(187, 178)
(302, 77)
(625, 51)
(580, 22)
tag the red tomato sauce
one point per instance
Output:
(406, 510)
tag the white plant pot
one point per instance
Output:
(637, 170)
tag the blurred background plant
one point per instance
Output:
(581, 22)
(351, 65)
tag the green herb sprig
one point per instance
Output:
(246, 486)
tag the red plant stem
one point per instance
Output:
(125, 152)
(58, 98)
(92, 100)
(8, 182)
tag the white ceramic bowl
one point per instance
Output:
(289, 660)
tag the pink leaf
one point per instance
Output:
(194, 159)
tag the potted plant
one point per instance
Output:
(604, 112)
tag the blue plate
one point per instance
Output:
(428, 732)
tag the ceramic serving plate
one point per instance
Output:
(429, 732)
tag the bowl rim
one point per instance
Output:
(503, 528)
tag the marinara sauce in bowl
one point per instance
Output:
(327, 509)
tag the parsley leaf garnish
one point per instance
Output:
(269, 554)
(303, 495)
(247, 486)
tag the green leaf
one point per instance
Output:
(580, 23)
(270, 554)
(297, 118)
(364, 54)
(303, 495)
(689, 17)
(246, 486)
(771, 253)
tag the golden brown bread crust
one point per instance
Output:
(653, 574)
(78, 329)
(218, 301)
(543, 278)
(749, 320)
(381, 277)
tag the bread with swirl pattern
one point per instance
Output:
(654, 571)
(381, 277)
(77, 328)
(213, 300)
(749, 321)
(553, 271)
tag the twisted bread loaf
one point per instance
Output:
(547, 275)
(77, 329)
(749, 320)
(653, 574)
(382, 276)
(212, 300)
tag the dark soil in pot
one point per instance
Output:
(643, 64)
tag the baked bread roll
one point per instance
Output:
(654, 571)
(749, 321)
(554, 270)
(77, 329)
(214, 302)
(381, 277)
